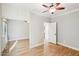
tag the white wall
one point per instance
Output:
(14, 11)
(18, 30)
(36, 30)
(68, 29)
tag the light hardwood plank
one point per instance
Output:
(48, 49)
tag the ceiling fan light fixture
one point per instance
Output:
(52, 10)
(53, 7)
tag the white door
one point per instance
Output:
(4, 34)
(50, 32)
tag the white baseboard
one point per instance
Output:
(18, 39)
(36, 45)
(68, 46)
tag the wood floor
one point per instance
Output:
(48, 49)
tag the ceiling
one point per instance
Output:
(37, 8)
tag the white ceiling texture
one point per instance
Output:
(37, 8)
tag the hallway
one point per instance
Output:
(48, 49)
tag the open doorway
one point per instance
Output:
(50, 32)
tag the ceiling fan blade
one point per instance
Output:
(57, 4)
(51, 5)
(60, 8)
(44, 11)
(45, 6)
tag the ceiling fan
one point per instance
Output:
(53, 7)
